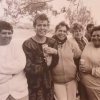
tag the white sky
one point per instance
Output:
(93, 5)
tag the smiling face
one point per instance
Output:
(61, 32)
(41, 27)
(77, 34)
(96, 38)
(5, 36)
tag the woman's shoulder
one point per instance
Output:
(51, 40)
(72, 41)
(89, 46)
(28, 40)
(85, 39)
(29, 43)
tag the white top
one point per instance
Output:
(91, 55)
(12, 78)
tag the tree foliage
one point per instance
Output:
(17, 8)
(80, 13)
(83, 16)
(33, 6)
(24, 6)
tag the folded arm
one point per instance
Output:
(15, 63)
(96, 71)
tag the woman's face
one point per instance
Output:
(61, 32)
(96, 38)
(41, 27)
(5, 36)
(77, 34)
(90, 29)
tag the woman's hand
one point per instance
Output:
(85, 69)
(50, 50)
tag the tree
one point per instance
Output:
(74, 12)
(16, 8)
(12, 10)
(80, 13)
(34, 5)
(83, 16)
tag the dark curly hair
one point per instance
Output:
(76, 26)
(96, 28)
(61, 24)
(40, 17)
(5, 25)
(89, 26)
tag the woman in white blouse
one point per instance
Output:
(13, 83)
(90, 66)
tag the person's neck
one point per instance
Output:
(39, 39)
(61, 41)
(4, 44)
(79, 39)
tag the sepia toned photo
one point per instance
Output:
(49, 50)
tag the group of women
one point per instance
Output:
(57, 67)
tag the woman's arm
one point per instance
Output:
(96, 71)
(55, 56)
(31, 67)
(75, 48)
(15, 61)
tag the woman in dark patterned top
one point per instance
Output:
(88, 34)
(41, 57)
(77, 31)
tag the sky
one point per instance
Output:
(92, 5)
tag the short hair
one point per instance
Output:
(40, 17)
(61, 24)
(5, 25)
(76, 26)
(96, 28)
(89, 26)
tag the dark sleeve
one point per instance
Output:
(31, 67)
(55, 57)
(76, 61)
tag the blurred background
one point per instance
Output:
(20, 13)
